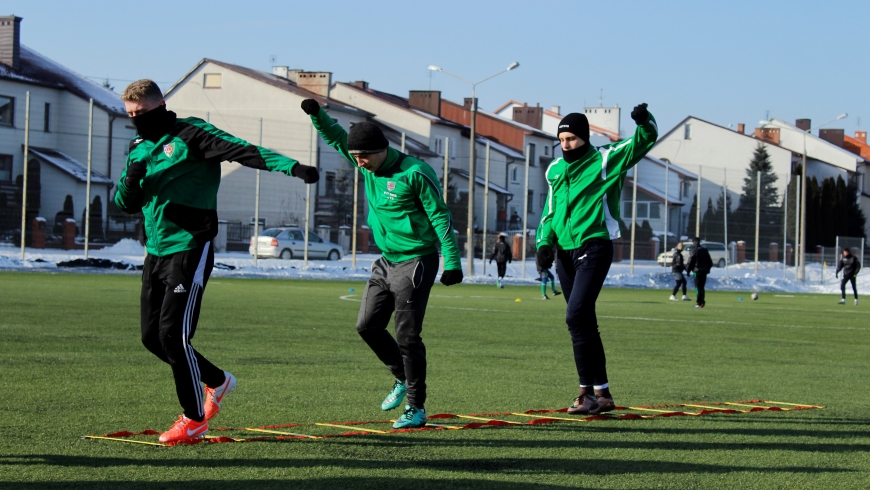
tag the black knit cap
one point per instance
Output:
(366, 137)
(575, 123)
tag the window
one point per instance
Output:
(645, 210)
(329, 188)
(532, 155)
(546, 151)
(439, 146)
(7, 111)
(211, 80)
(543, 200)
(687, 132)
(531, 201)
(5, 168)
(655, 211)
(45, 123)
(515, 175)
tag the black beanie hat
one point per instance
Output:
(575, 123)
(366, 137)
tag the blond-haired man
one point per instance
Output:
(172, 177)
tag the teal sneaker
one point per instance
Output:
(394, 399)
(412, 418)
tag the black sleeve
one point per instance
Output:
(212, 148)
(692, 259)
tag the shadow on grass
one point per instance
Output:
(503, 466)
(362, 482)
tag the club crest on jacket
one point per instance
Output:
(391, 186)
(168, 149)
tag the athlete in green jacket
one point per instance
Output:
(172, 176)
(409, 220)
(581, 216)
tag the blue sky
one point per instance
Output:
(727, 62)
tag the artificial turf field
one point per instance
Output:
(71, 364)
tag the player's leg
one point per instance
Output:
(185, 275)
(411, 281)
(150, 304)
(374, 316)
(543, 279)
(591, 264)
(502, 268)
(854, 289)
(677, 278)
(552, 280)
(700, 284)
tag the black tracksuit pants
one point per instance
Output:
(403, 288)
(582, 273)
(172, 288)
(681, 281)
(700, 284)
(501, 267)
(843, 283)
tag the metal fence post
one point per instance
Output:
(24, 180)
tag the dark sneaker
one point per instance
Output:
(583, 405)
(557, 293)
(605, 404)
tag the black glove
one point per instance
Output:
(545, 256)
(310, 106)
(640, 114)
(135, 172)
(309, 175)
(490, 261)
(836, 274)
(449, 278)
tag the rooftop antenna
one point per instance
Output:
(767, 115)
(273, 59)
(858, 123)
(601, 98)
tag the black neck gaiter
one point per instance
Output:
(575, 154)
(155, 123)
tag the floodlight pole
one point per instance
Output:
(88, 182)
(24, 180)
(485, 206)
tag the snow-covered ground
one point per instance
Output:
(647, 274)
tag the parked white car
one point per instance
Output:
(717, 250)
(289, 243)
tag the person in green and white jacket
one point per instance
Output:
(409, 220)
(581, 218)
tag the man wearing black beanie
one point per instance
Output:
(409, 219)
(581, 216)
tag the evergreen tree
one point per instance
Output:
(770, 216)
(693, 219)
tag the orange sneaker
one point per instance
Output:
(183, 429)
(214, 396)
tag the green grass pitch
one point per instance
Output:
(71, 364)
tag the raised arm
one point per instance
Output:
(331, 132)
(619, 157)
(128, 197)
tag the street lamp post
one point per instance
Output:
(469, 270)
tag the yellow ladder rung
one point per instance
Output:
(131, 441)
(548, 417)
(793, 404)
(281, 433)
(481, 418)
(352, 427)
(704, 406)
(652, 410)
(745, 405)
(442, 425)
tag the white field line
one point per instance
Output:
(349, 297)
(722, 322)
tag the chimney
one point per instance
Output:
(861, 136)
(833, 136)
(428, 101)
(803, 124)
(741, 128)
(467, 103)
(10, 41)
(293, 74)
(360, 84)
(556, 109)
(315, 81)
(281, 71)
(530, 116)
(771, 135)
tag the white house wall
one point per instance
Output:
(237, 108)
(415, 126)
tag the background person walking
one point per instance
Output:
(700, 264)
(503, 256)
(677, 267)
(850, 266)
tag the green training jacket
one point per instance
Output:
(583, 196)
(407, 213)
(178, 196)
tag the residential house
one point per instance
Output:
(418, 117)
(531, 142)
(858, 145)
(59, 115)
(264, 109)
(603, 121)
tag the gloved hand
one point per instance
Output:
(310, 106)
(545, 256)
(135, 172)
(836, 274)
(490, 261)
(449, 278)
(309, 175)
(640, 114)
